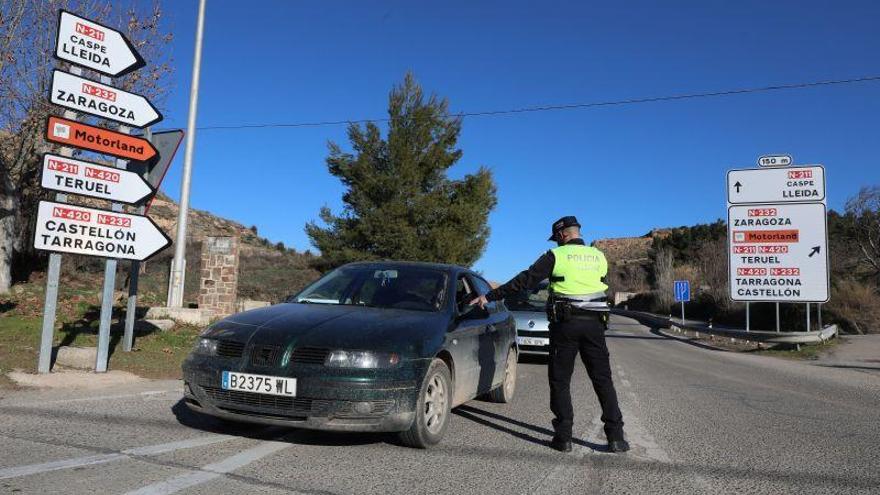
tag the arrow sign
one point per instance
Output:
(95, 46)
(737, 186)
(73, 229)
(815, 250)
(67, 175)
(79, 135)
(82, 95)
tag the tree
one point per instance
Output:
(864, 212)
(27, 42)
(399, 204)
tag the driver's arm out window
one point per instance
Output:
(483, 288)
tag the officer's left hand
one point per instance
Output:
(482, 301)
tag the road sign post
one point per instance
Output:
(53, 275)
(87, 231)
(777, 234)
(682, 292)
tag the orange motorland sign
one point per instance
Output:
(78, 135)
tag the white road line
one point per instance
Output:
(146, 394)
(211, 471)
(18, 471)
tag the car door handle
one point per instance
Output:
(491, 328)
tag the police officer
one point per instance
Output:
(575, 308)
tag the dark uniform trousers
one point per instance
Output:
(584, 333)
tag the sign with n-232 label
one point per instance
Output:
(778, 253)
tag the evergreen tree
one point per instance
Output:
(399, 203)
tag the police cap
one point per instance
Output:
(562, 224)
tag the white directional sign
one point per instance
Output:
(778, 253)
(798, 184)
(73, 229)
(83, 95)
(96, 181)
(95, 46)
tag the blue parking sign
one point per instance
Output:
(682, 290)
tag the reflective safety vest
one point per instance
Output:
(578, 271)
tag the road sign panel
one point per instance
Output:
(166, 142)
(87, 96)
(682, 290)
(778, 252)
(76, 134)
(775, 161)
(67, 175)
(776, 185)
(95, 46)
(73, 229)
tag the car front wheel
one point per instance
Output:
(432, 410)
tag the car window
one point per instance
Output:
(530, 300)
(414, 288)
(483, 288)
(464, 293)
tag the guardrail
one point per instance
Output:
(758, 336)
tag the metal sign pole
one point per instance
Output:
(808, 317)
(748, 318)
(109, 280)
(178, 270)
(777, 317)
(819, 311)
(50, 304)
(682, 312)
(133, 276)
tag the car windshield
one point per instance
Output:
(529, 300)
(402, 287)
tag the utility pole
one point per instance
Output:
(178, 266)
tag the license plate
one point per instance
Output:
(532, 341)
(260, 384)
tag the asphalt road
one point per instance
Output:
(699, 420)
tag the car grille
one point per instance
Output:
(265, 355)
(230, 349)
(309, 355)
(300, 405)
(532, 333)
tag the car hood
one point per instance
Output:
(334, 327)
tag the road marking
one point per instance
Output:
(18, 471)
(211, 471)
(147, 394)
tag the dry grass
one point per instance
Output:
(856, 305)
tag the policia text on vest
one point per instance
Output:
(576, 306)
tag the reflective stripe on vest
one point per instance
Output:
(580, 269)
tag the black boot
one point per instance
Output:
(619, 445)
(560, 444)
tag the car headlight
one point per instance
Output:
(362, 359)
(207, 347)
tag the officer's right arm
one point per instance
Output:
(527, 279)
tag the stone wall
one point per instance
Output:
(218, 287)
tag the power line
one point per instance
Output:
(571, 106)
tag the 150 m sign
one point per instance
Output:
(73, 229)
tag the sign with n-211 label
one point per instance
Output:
(778, 253)
(67, 175)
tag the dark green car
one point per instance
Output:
(384, 346)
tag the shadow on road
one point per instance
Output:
(484, 418)
(191, 419)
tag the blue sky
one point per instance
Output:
(622, 170)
